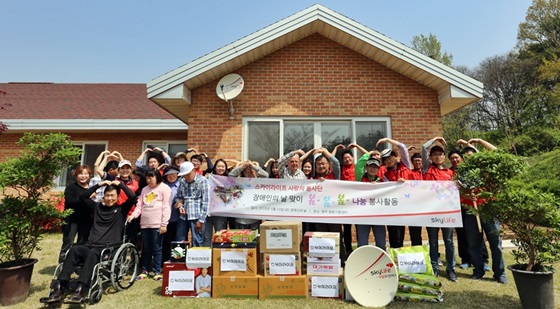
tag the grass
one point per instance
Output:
(466, 293)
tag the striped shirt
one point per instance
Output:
(284, 171)
(195, 196)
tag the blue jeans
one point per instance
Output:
(217, 223)
(183, 227)
(151, 247)
(475, 240)
(379, 234)
(447, 233)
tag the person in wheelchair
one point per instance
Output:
(108, 227)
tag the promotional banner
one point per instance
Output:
(410, 203)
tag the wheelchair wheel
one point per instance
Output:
(57, 270)
(95, 297)
(125, 267)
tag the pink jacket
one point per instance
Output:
(153, 206)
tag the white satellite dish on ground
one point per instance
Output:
(229, 87)
(371, 276)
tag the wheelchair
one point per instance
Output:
(119, 264)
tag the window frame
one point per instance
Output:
(166, 142)
(317, 124)
(57, 180)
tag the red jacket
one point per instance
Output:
(393, 174)
(436, 173)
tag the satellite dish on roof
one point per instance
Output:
(371, 276)
(229, 87)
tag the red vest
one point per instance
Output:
(348, 172)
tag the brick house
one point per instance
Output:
(97, 117)
(316, 78)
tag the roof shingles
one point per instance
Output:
(78, 101)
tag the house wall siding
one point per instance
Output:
(129, 144)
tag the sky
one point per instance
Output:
(108, 41)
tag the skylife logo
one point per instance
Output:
(180, 280)
(325, 286)
(198, 259)
(233, 261)
(285, 264)
(321, 248)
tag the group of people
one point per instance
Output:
(395, 164)
(170, 197)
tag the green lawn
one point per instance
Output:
(466, 293)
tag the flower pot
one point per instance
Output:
(15, 281)
(535, 289)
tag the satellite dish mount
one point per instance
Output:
(228, 88)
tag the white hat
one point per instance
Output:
(185, 168)
(124, 162)
(386, 153)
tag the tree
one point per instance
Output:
(458, 122)
(25, 209)
(431, 47)
(513, 97)
(541, 26)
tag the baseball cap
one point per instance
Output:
(386, 153)
(124, 162)
(185, 168)
(170, 171)
(373, 162)
(436, 148)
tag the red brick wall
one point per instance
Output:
(128, 144)
(313, 77)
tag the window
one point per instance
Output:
(266, 138)
(171, 147)
(90, 152)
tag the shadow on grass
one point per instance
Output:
(487, 278)
(479, 299)
(157, 291)
(38, 288)
(49, 270)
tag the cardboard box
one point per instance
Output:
(283, 287)
(323, 268)
(180, 281)
(231, 258)
(179, 251)
(266, 262)
(235, 287)
(317, 259)
(308, 235)
(199, 257)
(280, 236)
(317, 285)
(233, 236)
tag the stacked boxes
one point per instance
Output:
(234, 263)
(281, 260)
(192, 278)
(322, 265)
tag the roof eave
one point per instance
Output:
(94, 125)
(339, 28)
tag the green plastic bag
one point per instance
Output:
(412, 260)
(419, 289)
(421, 279)
(411, 297)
